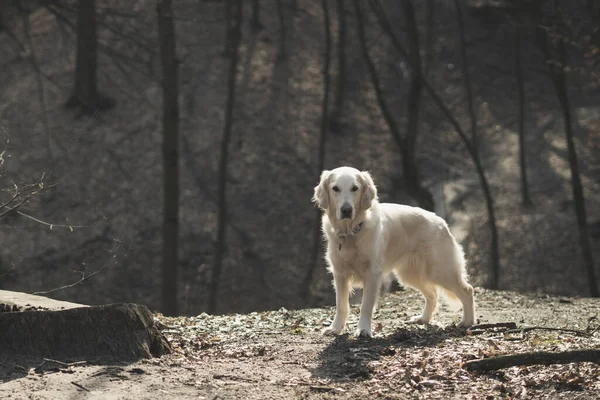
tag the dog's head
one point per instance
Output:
(345, 191)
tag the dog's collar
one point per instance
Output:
(355, 230)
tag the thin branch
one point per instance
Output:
(84, 278)
(576, 332)
(21, 196)
(71, 227)
(80, 386)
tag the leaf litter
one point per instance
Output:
(283, 349)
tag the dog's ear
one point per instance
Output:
(369, 190)
(321, 196)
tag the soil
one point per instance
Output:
(281, 354)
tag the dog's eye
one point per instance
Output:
(336, 189)
(354, 188)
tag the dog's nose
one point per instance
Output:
(346, 211)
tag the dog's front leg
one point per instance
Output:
(342, 305)
(370, 292)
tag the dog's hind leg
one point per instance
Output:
(464, 292)
(430, 294)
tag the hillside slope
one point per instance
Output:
(107, 167)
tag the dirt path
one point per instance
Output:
(280, 354)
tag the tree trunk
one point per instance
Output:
(493, 280)
(255, 23)
(429, 29)
(410, 166)
(406, 144)
(227, 5)
(281, 55)
(525, 199)
(338, 102)
(40, 83)
(86, 93)
(236, 35)
(317, 238)
(559, 82)
(466, 75)
(170, 152)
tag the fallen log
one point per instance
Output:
(117, 331)
(533, 358)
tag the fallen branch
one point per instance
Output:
(322, 389)
(576, 332)
(80, 386)
(534, 358)
(508, 325)
(64, 364)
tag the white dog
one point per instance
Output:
(368, 240)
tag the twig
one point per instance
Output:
(482, 328)
(64, 364)
(233, 378)
(322, 388)
(83, 279)
(48, 223)
(508, 325)
(547, 328)
(22, 195)
(534, 358)
(80, 386)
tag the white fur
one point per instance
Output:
(414, 244)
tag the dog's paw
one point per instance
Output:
(363, 333)
(464, 324)
(419, 319)
(331, 331)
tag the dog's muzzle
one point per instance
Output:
(346, 211)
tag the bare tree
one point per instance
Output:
(466, 75)
(281, 54)
(429, 30)
(525, 198)
(235, 36)
(317, 238)
(406, 143)
(38, 74)
(255, 23)
(338, 100)
(170, 150)
(86, 94)
(410, 166)
(556, 56)
(494, 252)
(227, 5)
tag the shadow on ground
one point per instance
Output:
(347, 358)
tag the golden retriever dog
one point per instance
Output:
(367, 240)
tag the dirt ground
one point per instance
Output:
(281, 354)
